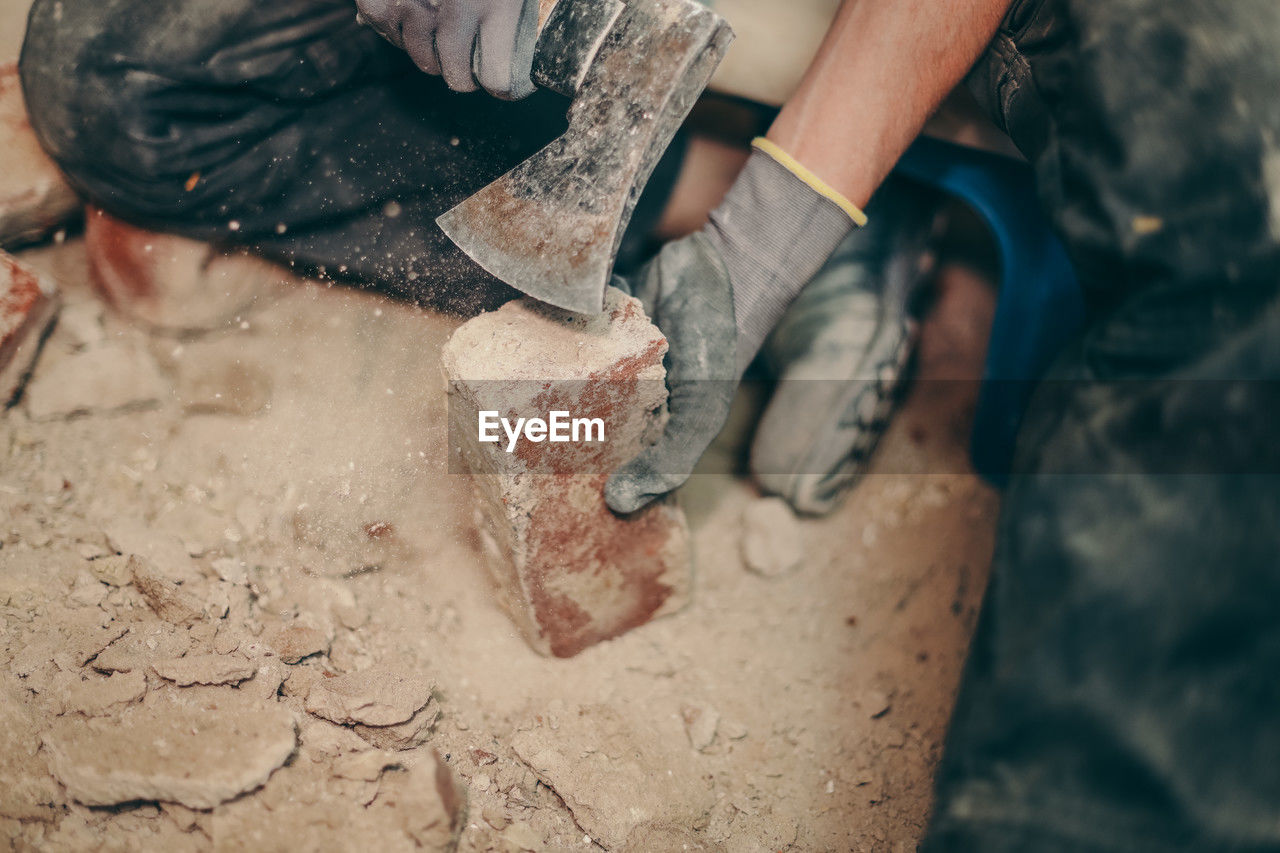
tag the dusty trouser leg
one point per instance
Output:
(282, 126)
(1122, 687)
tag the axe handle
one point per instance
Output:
(570, 35)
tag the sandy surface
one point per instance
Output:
(282, 489)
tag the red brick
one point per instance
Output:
(28, 305)
(571, 572)
(34, 199)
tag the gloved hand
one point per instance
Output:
(486, 43)
(717, 294)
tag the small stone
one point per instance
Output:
(292, 643)
(169, 603)
(165, 551)
(112, 569)
(876, 704)
(483, 757)
(87, 591)
(732, 730)
(494, 816)
(266, 682)
(374, 697)
(407, 735)
(700, 723)
(205, 669)
(772, 543)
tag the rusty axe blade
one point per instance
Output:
(551, 226)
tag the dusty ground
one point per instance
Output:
(283, 486)
(241, 607)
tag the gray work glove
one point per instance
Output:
(472, 43)
(716, 295)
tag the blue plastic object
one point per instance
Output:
(1040, 306)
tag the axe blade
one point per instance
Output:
(551, 226)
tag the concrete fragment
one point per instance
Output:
(169, 603)
(87, 591)
(772, 543)
(876, 703)
(28, 791)
(571, 572)
(205, 669)
(28, 305)
(700, 724)
(374, 697)
(615, 787)
(112, 569)
(97, 696)
(144, 643)
(115, 376)
(305, 806)
(164, 550)
(266, 681)
(410, 734)
(34, 198)
(197, 754)
(294, 642)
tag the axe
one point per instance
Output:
(551, 226)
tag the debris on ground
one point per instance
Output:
(771, 540)
(293, 596)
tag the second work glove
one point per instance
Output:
(473, 43)
(717, 294)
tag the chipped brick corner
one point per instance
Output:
(570, 571)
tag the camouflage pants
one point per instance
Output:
(1121, 693)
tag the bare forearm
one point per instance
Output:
(883, 69)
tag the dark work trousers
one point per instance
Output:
(284, 126)
(1123, 692)
(1123, 689)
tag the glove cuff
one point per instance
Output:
(821, 187)
(776, 227)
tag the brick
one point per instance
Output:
(35, 200)
(570, 571)
(28, 305)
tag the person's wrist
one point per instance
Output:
(776, 152)
(774, 230)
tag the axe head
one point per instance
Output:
(551, 226)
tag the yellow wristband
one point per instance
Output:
(818, 185)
